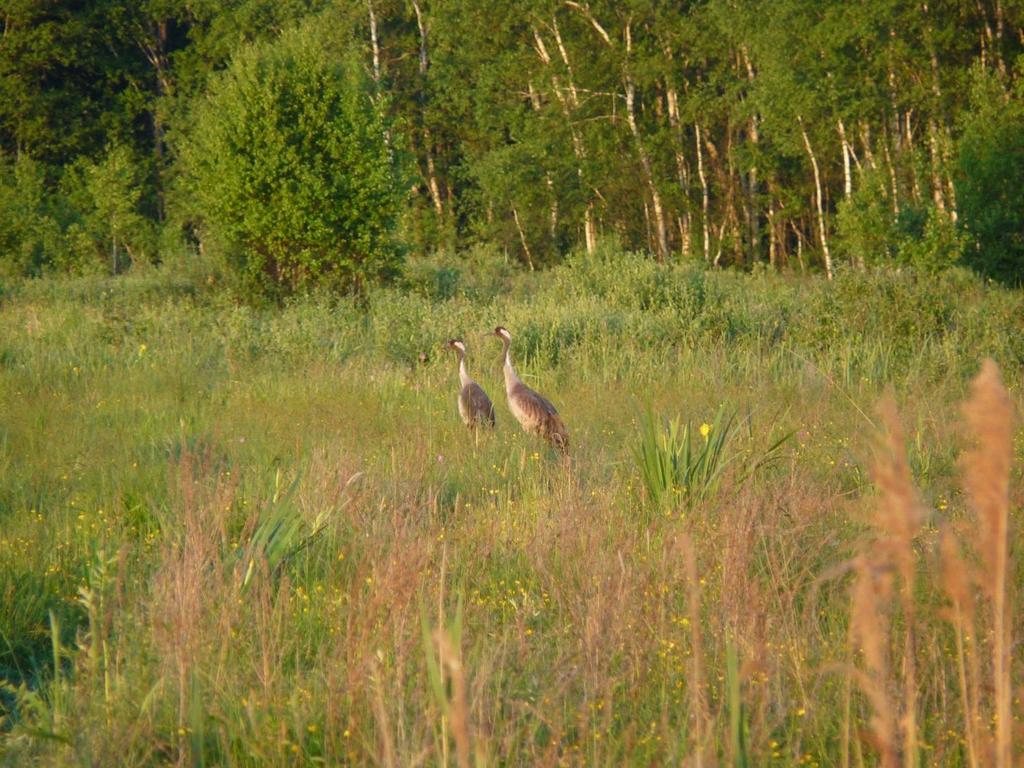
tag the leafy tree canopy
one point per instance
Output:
(291, 171)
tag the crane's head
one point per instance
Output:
(502, 333)
(456, 344)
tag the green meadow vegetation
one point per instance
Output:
(260, 535)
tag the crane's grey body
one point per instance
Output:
(475, 407)
(533, 411)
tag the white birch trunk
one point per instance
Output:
(1000, 30)
(569, 106)
(685, 237)
(934, 152)
(428, 142)
(660, 234)
(865, 140)
(374, 44)
(908, 138)
(548, 181)
(893, 186)
(705, 196)
(682, 172)
(589, 220)
(799, 246)
(847, 179)
(522, 238)
(818, 200)
(752, 180)
(717, 261)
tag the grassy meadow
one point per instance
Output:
(262, 536)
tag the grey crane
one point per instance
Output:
(533, 411)
(475, 407)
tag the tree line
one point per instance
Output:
(807, 134)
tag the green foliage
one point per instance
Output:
(673, 468)
(69, 78)
(451, 630)
(678, 464)
(31, 236)
(870, 232)
(279, 533)
(681, 129)
(866, 226)
(990, 180)
(632, 279)
(27, 597)
(291, 173)
(109, 225)
(940, 244)
(94, 220)
(738, 725)
(480, 273)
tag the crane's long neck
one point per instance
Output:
(511, 379)
(463, 372)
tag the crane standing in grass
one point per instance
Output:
(534, 412)
(475, 407)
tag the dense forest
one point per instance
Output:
(802, 134)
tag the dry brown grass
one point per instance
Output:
(986, 466)
(886, 628)
(193, 609)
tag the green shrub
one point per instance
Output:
(479, 273)
(938, 246)
(290, 171)
(869, 232)
(31, 237)
(990, 180)
(866, 227)
(436, 278)
(91, 221)
(107, 224)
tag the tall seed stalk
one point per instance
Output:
(986, 466)
(698, 703)
(897, 519)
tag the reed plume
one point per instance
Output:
(897, 520)
(986, 470)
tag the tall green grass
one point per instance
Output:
(248, 535)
